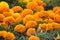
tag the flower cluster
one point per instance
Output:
(7, 35)
(29, 22)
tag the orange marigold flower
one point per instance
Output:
(31, 24)
(28, 18)
(37, 17)
(40, 8)
(41, 26)
(17, 9)
(56, 25)
(42, 14)
(40, 2)
(34, 38)
(9, 19)
(9, 36)
(18, 19)
(30, 32)
(26, 12)
(2, 17)
(56, 9)
(51, 14)
(57, 38)
(32, 5)
(4, 7)
(49, 27)
(57, 18)
(7, 14)
(5, 24)
(20, 28)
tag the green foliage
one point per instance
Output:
(51, 3)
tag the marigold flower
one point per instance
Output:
(49, 27)
(51, 14)
(40, 2)
(56, 9)
(7, 14)
(5, 25)
(40, 8)
(26, 12)
(4, 6)
(36, 16)
(41, 26)
(9, 19)
(16, 15)
(30, 32)
(57, 38)
(34, 38)
(7, 35)
(32, 5)
(2, 17)
(31, 24)
(56, 25)
(11, 11)
(57, 18)
(42, 14)
(28, 18)
(20, 28)
(17, 9)
(18, 19)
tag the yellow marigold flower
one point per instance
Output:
(17, 9)
(49, 27)
(9, 19)
(20, 28)
(16, 15)
(31, 24)
(40, 8)
(57, 18)
(57, 38)
(4, 6)
(7, 14)
(2, 17)
(32, 5)
(34, 38)
(26, 12)
(11, 11)
(28, 18)
(30, 32)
